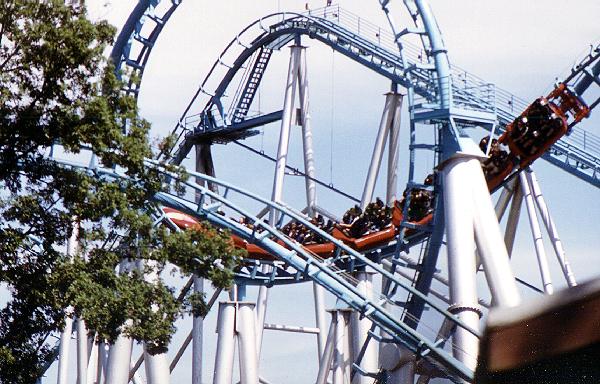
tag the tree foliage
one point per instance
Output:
(56, 87)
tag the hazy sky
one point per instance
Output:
(521, 46)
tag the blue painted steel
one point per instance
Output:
(131, 34)
(320, 271)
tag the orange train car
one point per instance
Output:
(543, 123)
(326, 250)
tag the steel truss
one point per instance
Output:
(441, 98)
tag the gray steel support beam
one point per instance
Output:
(536, 235)
(459, 216)
(225, 343)
(393, 151)
(551, 228)
(387, 118)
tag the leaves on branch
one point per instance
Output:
(56, 87)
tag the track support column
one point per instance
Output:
(157, 365)
(246, 329)
(551, 228)
(360, 331)
(537, 235)
(82, 352)
(119, 356)
(393, 153)
(307, 135)
(513, 217)
(387, 119)
(225, 343)
(197, 337)
(342, 358)
(458, 213)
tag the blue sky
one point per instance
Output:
(521, 46)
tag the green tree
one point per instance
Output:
(57, 87)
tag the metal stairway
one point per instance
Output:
(375, 48)
(251, 87)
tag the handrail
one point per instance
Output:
(296, 255)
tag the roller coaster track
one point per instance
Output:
(472, 101)
(373, 47)
(325, 272)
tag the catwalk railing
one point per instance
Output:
(373, 47)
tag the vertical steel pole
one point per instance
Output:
(63, 354)
(513, 217)
(82, 352)
(204, 164)
(102, 362)
(327, 357)
(458, 213)
(282, 151)
(342, 361)
(393, 153)
(225, 343)
(320, 314)
(65, 336)
(502, 203)
(338, 352)
(311, 188)
(537, 236)
(92, 367)
(197, 336)
(349, 354)
(360, 331)
(490, 243)
(378, 148)
(119, 356)
(286, 123)
(551, 228)
(246, 331)
(157, 365)
(307, 136)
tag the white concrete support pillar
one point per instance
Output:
(63, 351)
(537, 235)
(393, 152)
(490, 242)
(320, 318)
(551, 228)
(360, 332)
(197, 336)
(513, 217)
(225, 343)
(246, 328)
(307, 136)
(384, 126)
(459, 214)
(82, 352)
(327, 357)
(157, 365)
